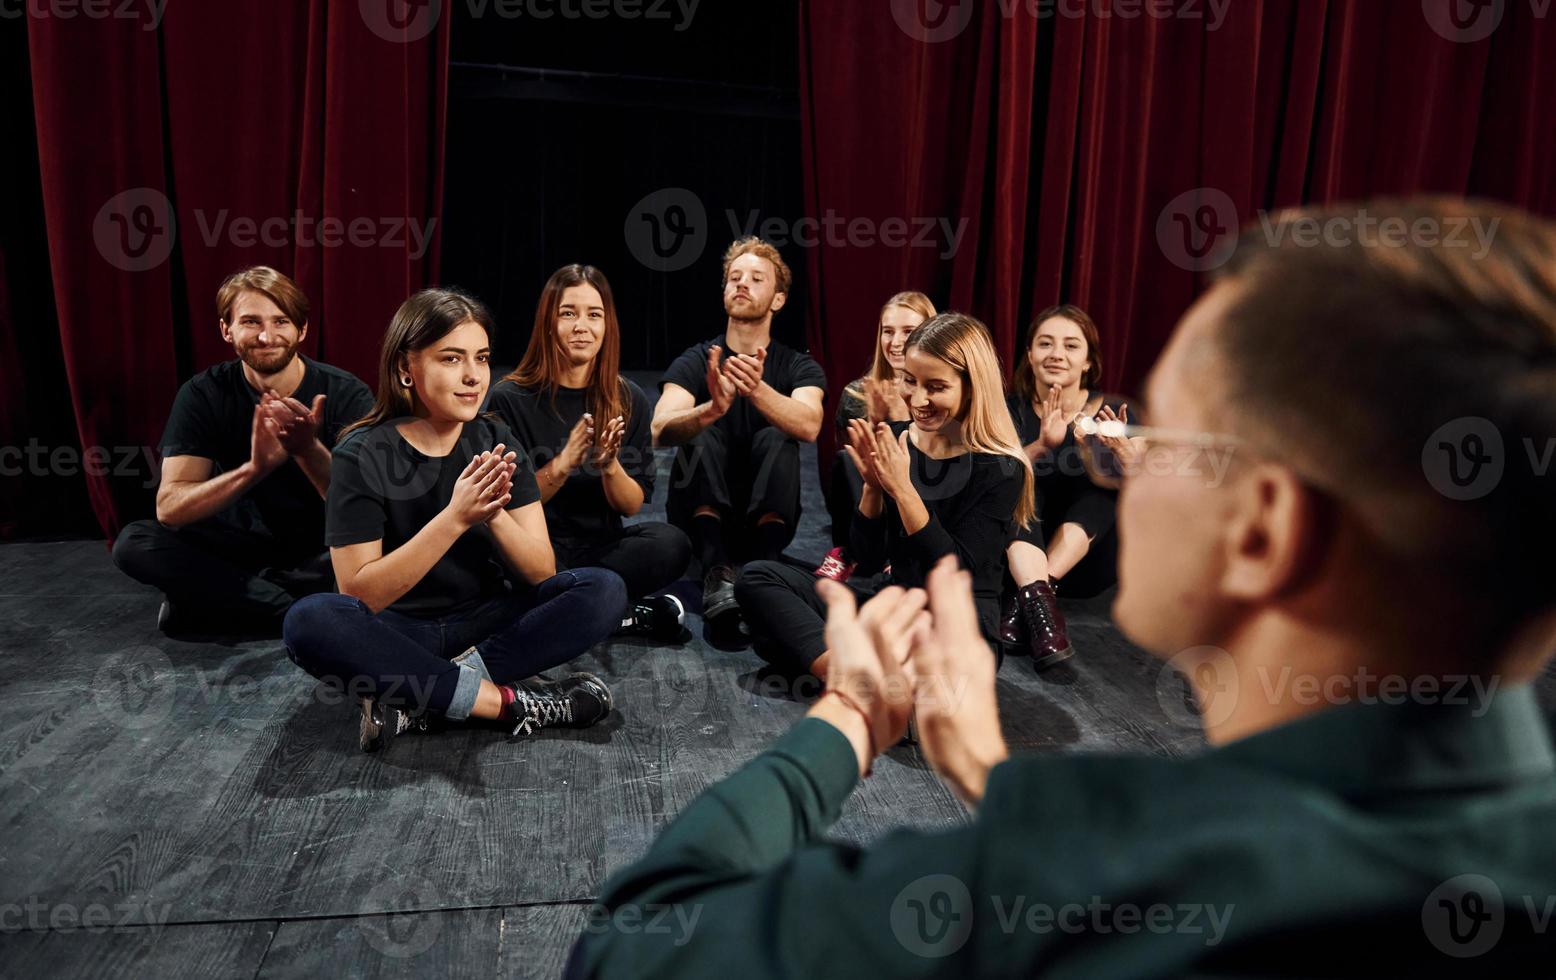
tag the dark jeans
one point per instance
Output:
(843, 491)
(222, 570)
(788, 619)
(742, 481)
(427, 664)
(647, 556)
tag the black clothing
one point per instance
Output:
(578, 509)
(648, 556)
(213, 417)
(383, 488)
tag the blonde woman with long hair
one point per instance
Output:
(951, 481)
(875, 397)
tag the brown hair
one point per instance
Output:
(1025, 381)
(1429, 343)
(544, 359)
(964, 343)
(763, 250)
(420, 322)
(880, 367)
(281, 291)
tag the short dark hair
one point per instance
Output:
(1355, 359)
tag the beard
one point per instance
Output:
(748, 310)
(264, 361)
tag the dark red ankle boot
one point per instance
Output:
(1046, 632)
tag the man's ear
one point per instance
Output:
(778, 300)
(302, 331)
(226, 330)
(1277, 532)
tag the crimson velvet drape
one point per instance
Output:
(225, 135)
(1063, 140)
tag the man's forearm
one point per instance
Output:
(182, 504)
(315, 464)
(683, 427)
(794, 418)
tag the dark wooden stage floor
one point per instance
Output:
(203, 808)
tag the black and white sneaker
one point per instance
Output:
(662, 617)
(575, 701)
(380, 723)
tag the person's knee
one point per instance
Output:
(754, 579)
(670, 548)
(132, 548)
(604, 588)
(312, 618)
(771, 440)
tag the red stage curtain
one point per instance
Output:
(176, 152)
(1062, 141)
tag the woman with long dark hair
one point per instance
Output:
(1054, 388)
(586, 431)
(450, 601)
(952, 481)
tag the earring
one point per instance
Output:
(405, 380)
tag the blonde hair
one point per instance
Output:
(880, 367)
(964, 343)
(762, 250)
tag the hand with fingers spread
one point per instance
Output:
(608, 446)
(299, 424)
(745, 371)
(266, 451)
(483, 488)
(892, 465)
(1054, 422)
(1125, 450)
(882, 399)
(721, 390)
(861, 449)
(579, 444)
(958, 713)
(869, 676)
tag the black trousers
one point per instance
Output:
(1076, 500)
(788, 619)
(218, 570)
(741, 480)
(647, 556)
(843, 492)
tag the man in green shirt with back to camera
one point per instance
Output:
(1357, 601)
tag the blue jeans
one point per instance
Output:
(438, 664)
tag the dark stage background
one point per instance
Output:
(1093, 159)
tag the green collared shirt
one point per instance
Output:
(1376, 840)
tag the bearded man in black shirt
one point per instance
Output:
(239, 532)
(738, 407)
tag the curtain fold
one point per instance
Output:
(304, 135)
(1068, 144)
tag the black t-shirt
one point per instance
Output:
(971, 500)
(785, 371)
(578, 510)
(1063, 464)
(383, 488)
(213, 417)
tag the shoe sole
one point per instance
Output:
(370, 734)
(1054, 658)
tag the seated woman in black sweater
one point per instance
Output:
(449, 594)
(876, 397)
(952, 481)
(585, 429)
(1054, 387)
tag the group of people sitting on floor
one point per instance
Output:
(476, 532)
